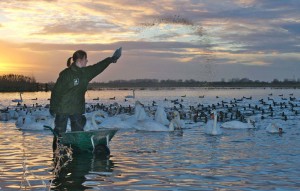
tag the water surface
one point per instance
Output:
(191, 160)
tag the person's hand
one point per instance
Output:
(113, 60)
(117, 54)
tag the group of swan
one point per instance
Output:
(30, 122)
(160, 121)
(153, 125)
(213, 128)
(139, 121)
(34, 120)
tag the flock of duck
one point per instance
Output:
(236, 113)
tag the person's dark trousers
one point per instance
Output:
(61, 120)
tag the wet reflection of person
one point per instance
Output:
(72, 175)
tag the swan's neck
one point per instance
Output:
(171, 126)
(214, 130)
(94, 123)
(118, 110)
(215, 121)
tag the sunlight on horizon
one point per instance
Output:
(36, 37)
(5, 68)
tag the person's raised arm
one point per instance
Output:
(93, 70)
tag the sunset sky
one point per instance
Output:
(205, 40)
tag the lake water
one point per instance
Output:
(250, 159)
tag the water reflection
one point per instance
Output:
(237, 160)
(76, 175)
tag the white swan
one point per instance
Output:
(4, 116)
(92, 120)
(131, 96)
(161, 116)
(212, 128)
(99, 120)
(30, 122)
(177, 122)
(238, 125)
(151, 125)
(18, 100)
(274, 128)
(13, 114)
(144, 123)
(139, 111)
(148, 124)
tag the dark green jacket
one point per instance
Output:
(68, 93)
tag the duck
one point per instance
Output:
(238, 125)
(97, 98)
(212, 128)
(112, 98)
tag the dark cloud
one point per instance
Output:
(284, 5)
(292, 28)
(265, 41)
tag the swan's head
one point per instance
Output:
(138, 103)
(176, 114)
(213, 114)
(251, 121)
(97, 118)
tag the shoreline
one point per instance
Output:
(171, 88)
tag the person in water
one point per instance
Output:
(68, 94)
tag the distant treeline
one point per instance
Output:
(145, 83)
(20, 83)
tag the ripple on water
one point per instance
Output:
(23, 157)
(237, 160)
